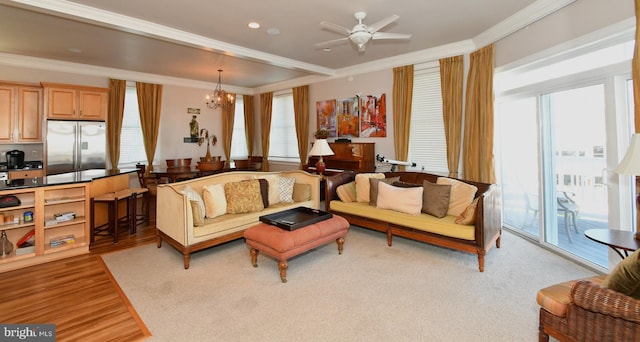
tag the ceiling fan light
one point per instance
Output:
(360, 38)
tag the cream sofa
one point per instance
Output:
(175, 221)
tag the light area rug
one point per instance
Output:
(408, 292)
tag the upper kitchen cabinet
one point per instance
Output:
(20, 113)
(71, 102)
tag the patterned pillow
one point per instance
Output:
(301, 192)
(347, 192)
(193, 195)
(215, 203)
(373, 188)
(363, 186)
(243, 196)
(286, 189)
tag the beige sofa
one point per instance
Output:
(476, 238)
(175, 218)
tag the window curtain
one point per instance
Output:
(266, 104)
(478, 120)
(228, 117)
(451, 78)
(402, 97)
(635, 70)
(117, 91)
(249, 126)
(301, 112)
(150, 106)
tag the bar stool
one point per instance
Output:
(133, 208)
(112, 199)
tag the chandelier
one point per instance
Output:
(219, 98)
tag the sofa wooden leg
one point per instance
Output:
(254, 256)
(187, 257)
(283, 265)
(159, 241)
(543, 336)
(340, 242)
(389, 237)
(481, 260)
(498, 241)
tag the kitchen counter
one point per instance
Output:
(63, 178)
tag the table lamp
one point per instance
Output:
(321, 148)
(630, 165)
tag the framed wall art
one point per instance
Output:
(373, 116)
(326, 116)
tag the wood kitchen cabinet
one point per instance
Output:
(72, 102)
(20, 113)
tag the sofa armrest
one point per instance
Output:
(597, 298)
(333, 182)
(488, 215)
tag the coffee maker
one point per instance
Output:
(15, 159)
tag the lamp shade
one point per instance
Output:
(630, 164)
(321, 148)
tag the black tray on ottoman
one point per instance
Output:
(293, 219)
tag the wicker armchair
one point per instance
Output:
(594, 313)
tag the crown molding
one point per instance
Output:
(519, 20)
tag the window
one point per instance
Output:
(131, 140)
(427, 143)
(238, 138)
(283, 140)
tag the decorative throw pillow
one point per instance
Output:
(301, 192)
(373, 188)
(362, 185)
(286, 189)
(468, 216)
(274, 188)
(347, 192)
(435, 199)
(243, 196)
(405, 200)
(402, 184)
(193, 195)
(264, 191)
(198, 217)
(625, 277)
(462, 194)
(215, 203)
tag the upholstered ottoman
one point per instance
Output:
(283, 244)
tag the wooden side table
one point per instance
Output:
(619, 240)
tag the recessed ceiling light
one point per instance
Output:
(273, 31)
(326, 49)
(75, 50)
(253, 25)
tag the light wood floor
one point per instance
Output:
(77, 294)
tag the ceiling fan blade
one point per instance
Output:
(385, 35)
(382, 23)
(335, 27)
(333, 42)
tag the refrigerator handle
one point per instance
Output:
(76, 133)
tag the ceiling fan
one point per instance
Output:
(361, 33)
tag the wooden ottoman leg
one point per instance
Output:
(340, 242)
(254, 256)
(282, 265)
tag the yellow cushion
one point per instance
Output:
(301, 192)
(462, 194)
(556, 298)
(347, 192)
(198, 217)
(243, 196)
(363, 186)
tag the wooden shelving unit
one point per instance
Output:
(45, 203)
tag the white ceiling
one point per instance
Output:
(191, 39)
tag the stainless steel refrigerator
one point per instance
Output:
(75, 146)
